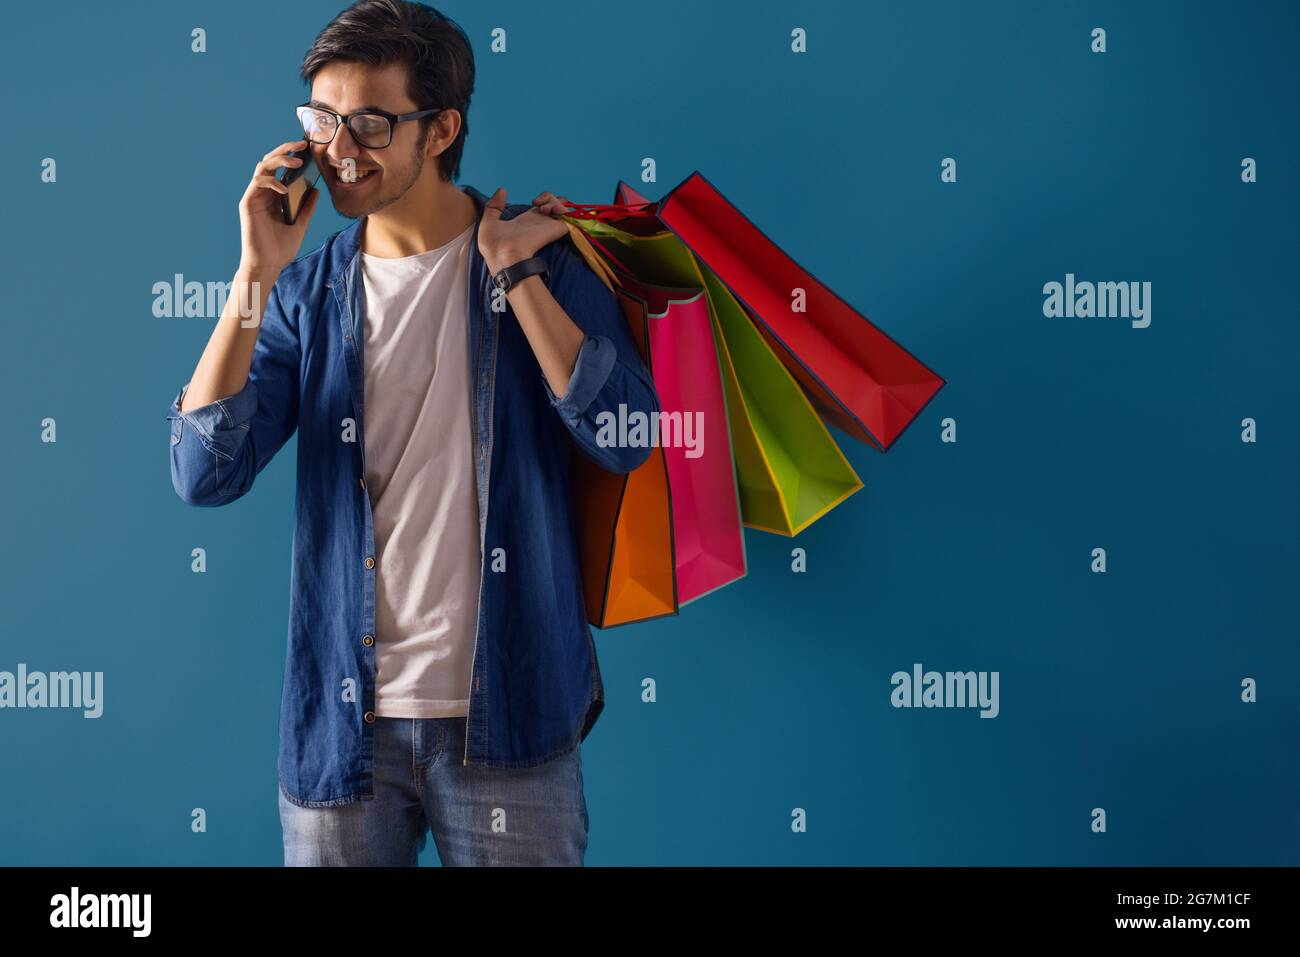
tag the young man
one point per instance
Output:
(440, 672)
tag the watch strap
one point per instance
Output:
(515, 273)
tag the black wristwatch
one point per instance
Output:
(511, 275)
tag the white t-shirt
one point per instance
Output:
(420, 478)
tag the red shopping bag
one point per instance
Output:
(860, 379)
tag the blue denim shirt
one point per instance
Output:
(535, 689)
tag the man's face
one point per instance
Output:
(383, 176)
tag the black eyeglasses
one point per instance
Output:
(372, 129)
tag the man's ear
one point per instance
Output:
(449, 122)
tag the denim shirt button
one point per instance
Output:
(370, 717)
(370, 562)
(368, 640)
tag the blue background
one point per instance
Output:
(1119, 690)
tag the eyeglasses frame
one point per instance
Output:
(344, 119)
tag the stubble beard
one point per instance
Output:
(393, 194)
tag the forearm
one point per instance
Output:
(554, 337)
(223, 367)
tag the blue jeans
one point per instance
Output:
(533, 816)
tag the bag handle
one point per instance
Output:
(608, 255)
(598, 265)
(609, 212)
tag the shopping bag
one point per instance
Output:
(708, 536)
(860, 379)
(624, 525)
(790, 470)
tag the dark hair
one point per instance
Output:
(434, 48)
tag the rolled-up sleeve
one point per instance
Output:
(608, 372)
(218, 449)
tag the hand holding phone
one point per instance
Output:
(267, 241)
(300, 181)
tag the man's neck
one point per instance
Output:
(423, 219)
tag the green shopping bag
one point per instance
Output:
(789, 469)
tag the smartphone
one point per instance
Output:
(301, 180)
